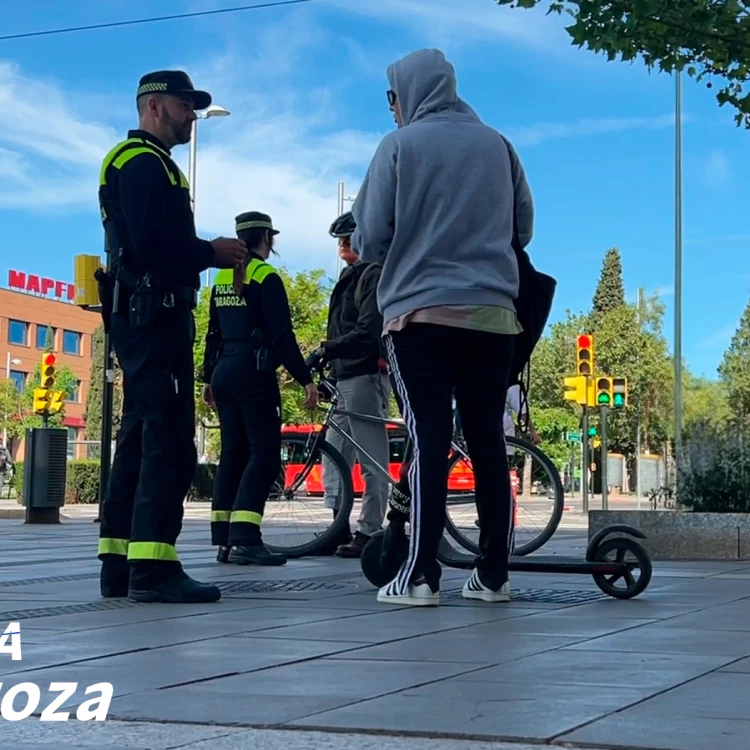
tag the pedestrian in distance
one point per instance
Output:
(438, 208)
(148, 294)
(354, 349)
(249, 336)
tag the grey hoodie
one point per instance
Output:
(436, 208)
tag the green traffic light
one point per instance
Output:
(603, 399)
(592, 431)
(619, 399)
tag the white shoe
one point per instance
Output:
(415, 595)
(475, 589)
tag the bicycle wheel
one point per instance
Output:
(296, 522)
(539, 499)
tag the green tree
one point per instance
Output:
(65, 381)
(708, 37)
(734, 369)
(93, 411)
(637, 350)
(610, 291)
(11, 408)
(705, 403)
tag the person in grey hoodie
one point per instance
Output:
(442, 202)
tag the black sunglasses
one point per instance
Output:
(391, 97)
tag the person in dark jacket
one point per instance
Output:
(249, 336)
(353, 347)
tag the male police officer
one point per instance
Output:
(353, 347)
(154, 264)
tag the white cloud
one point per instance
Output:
(447, 22)
(533, 135)
(717, 168)
(283, 150)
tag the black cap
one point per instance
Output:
(254, 220)
(175, 82)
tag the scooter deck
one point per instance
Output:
(453, 558)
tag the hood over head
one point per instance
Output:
(424, 82)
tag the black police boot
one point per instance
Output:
(342, 538)
(222, 555)
(114, 578)
(255, 554)
(178, 588)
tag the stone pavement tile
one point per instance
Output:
(176, 665)
(648, 606)
(560, 623)
(661, 638)
(32, 734)
(378, 627)
(652, 672)
(733, 616)
(492, 646)
(498, 710)
(344, 679)
(658, 732)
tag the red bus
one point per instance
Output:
(461, 477)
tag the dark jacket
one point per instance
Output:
(354, 344)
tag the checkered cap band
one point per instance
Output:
(151, 88)
(253, 224)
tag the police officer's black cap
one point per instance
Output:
(174, 82)
(254, 220)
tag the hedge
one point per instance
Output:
(82, 482)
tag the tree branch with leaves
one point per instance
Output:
(708, 38)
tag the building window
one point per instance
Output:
(42, 334)
(71, 342)
(19, 379)
(72, 438)
(18, 332)
(74, 393)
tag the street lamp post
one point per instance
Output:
(213, 111)
(678, 273)
(340, 209)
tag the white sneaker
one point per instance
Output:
(415, 595)
(475, 589)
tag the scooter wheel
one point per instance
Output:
(377, 571)
(625, 585)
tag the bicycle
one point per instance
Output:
(308, 453)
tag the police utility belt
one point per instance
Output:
(140, 298)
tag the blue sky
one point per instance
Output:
(306, 88)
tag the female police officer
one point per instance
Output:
(249, 335)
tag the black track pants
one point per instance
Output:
(431, 363)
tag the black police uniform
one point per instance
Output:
(154, 266)
(249, 336)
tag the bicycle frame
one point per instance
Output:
(329, 423)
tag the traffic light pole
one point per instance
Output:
(585, 467)
(605, 495)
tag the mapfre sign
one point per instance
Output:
(41, 285)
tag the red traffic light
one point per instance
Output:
(584, 342)
(49, 359)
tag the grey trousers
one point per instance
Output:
(363, 394)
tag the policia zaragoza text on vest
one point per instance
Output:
(249, 335)
(148, 295)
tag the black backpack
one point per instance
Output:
(536, 292)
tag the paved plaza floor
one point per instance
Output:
(303, 656)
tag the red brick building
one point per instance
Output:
(29, 306)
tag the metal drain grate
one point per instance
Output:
(546, 596)
(49, 579)
(273, 587)
(65, 609)
(19, 563)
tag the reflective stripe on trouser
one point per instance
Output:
(238, 523)
(110, 546)
(137, 550)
